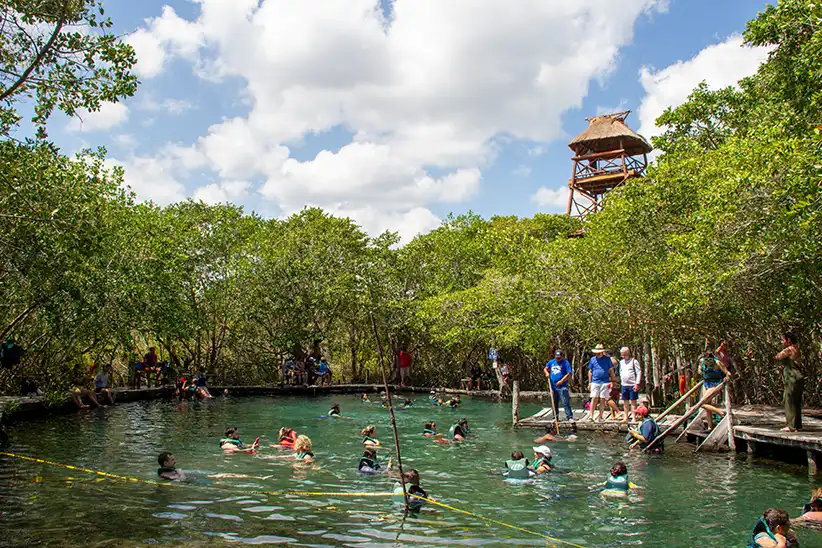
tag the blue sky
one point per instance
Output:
(394, 114)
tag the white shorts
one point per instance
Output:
(601, 390)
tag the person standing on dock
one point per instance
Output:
(713, 373)
(600, 376)
(630, 375)
(559, 373)
(790, 362)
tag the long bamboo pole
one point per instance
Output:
(678, 402)
(390, 409)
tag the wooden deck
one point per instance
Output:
(755, 429)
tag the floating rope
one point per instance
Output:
(285, 493)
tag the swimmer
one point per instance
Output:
(542, 459)
(287, 436)
(364, 399)
(369, 436)
(408, 403)
(772, 530)
(617, 482)
(302, 449)
(460, 430)
(225, 393)
(167, 469)
(231, 442)
(551, 437)
(412, 487)
(430, 430)
(369, 464)
(334, 411)
(454, 402)
(812, 511)
(517, 467)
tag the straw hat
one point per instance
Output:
(598, 349)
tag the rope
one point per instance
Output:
(284, 493)
(497, 522)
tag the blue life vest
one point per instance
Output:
(542, 461)
(238, 443)
(429, 431)
(618, 483)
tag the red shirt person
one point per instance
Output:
(405, 361)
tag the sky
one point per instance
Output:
(394, 113)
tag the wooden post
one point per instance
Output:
(711, 393)
(814, 461)
(729, 416)
(515, 403)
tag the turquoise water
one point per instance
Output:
(686, 500)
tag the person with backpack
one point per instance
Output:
(713, 373)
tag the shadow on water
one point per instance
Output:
(686, 499)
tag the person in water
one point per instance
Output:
(302, 449)
(772, 530)
(364, 398)
(647, 432)
(460, 430)
(542, 459)
(232, 443)
(430, 430)
(369, 463)
(454, 402)
(286, 437)
(369, 436)
(412, 487)
(517, 467)
(408, 403)
(168, 469)
(812, 511)
(617, 482)
(334, 411)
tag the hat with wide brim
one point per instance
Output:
(598, 349)
(543, 450)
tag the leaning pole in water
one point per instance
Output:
(390, 409)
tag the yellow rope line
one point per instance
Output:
(281, 493)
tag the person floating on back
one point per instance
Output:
(334, 411)
(302, 449)
(812, 511)
(369, 436)
(772, 530)
(369, 463)
(231, 443)
(647, 432)
(542, 459)
(460, 430)
(518, 467)
(168, 469)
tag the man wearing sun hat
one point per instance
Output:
(600, 376)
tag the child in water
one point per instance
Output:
(364, 399)
(408, 403)
(302, 449)
(167, 469)
(412, 487)
(231, 443)
(287, 436)
(460, 430)
(369, 464)
(517, 467)
(772, 530)
(617, 482)
(430, 430)
(334, 411)
(812, 511)
(369, 436)
(542, 459)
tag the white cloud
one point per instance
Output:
(522, 171)
(429, 92)
(551, 198)
(536, 151)
(719, 65)
(109, 116)
(164, 36)
(170, 105)
(225, 191)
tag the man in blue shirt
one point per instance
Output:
(600, 375)
(559, 373)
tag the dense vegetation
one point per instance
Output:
(721, 240)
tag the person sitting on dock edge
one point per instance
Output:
(559, 373)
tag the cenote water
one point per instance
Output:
(685, 500)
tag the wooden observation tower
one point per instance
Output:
(606, 155)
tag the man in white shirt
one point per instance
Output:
(630, 375)
(101, 386)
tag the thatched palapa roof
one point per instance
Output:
(609, 132)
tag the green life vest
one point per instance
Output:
(711, 371)
(429, 431)
(517, 469)
(369, 439)
(541, 462)
(618, 483)
(223, 441)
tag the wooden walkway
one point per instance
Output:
(755, 428)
